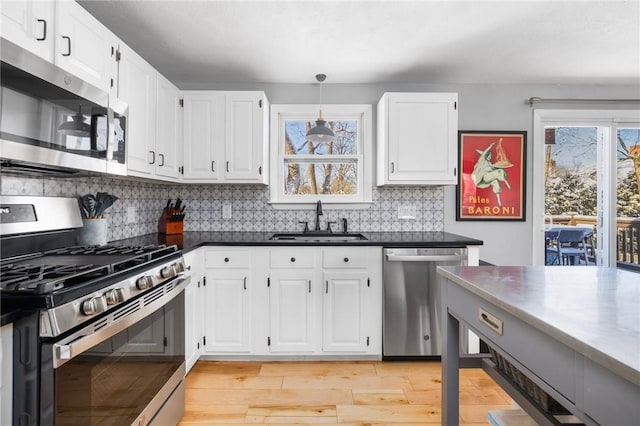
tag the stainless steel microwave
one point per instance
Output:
(52, 121)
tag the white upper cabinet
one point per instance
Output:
(64, 33)
(225, 137)
(417, 139)
(203, 136)
(245, 136)
(82, 44)
(30, 25)
(137, 86)
(169, 130)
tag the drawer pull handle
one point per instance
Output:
(293, 259)
(346, 259)
(226, 259)
(491, 321)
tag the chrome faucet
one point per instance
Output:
(318, 214)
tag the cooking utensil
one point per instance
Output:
(178, 203)
(87, 206)
(103, 202)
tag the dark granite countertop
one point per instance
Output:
(195, 239)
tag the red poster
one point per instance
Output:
(491, 183)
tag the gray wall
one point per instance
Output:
(481, 107)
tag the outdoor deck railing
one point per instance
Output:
(628, 236)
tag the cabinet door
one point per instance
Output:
(292, 311)
(193, 319)
(137, 87)
(227, 311)
(344, 312)
(82, 44)
(29, 24)
(420, 138)
(193, 297)
(6, 373)
(169, 130)
(244, 136)
(203, 136)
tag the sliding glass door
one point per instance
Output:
(586, 174)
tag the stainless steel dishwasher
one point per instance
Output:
(411, 303)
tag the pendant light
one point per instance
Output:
(320, 133)
(75, 127)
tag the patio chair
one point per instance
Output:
(571, 247)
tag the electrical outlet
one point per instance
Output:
(131, 214)
(226, 211)
(406, 212)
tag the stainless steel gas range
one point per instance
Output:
(101, 335)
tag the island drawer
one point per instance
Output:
(227, 258)
(292, 257)
(551, 362)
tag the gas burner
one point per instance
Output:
(39, 279)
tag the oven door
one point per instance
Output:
(126, 368)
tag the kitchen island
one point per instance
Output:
(572, 333)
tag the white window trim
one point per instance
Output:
(601, 118)
(282, 112)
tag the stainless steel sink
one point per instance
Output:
(317, 237)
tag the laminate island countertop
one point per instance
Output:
(590, 312)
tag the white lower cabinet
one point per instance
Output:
(292, 311)
(228, 296)
(291, 302)
(6, 371)
(344, 313)
(193, 299)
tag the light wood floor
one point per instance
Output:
(332, 393)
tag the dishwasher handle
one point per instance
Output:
(427, 258)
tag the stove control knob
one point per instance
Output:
(144, 283)
(179, 267)
(168, 272)
(114, 296)
(92, 306)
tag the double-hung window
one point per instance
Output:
(338, 171)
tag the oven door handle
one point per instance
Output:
(117, 321)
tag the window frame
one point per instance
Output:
(362, 113)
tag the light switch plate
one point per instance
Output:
(406, 212)
(131, 214)
(226, 211)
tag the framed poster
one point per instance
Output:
(491, 182)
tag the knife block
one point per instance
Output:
(168, 227)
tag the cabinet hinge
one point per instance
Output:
(260, 103)
(368, 282)
(118, 56)
(367, 340)
(268, 282)
(181, 102)
(268, 341)
(165, 342)
(204, 340)
(455, 105)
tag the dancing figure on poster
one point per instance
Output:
(485, 173)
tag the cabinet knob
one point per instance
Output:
(226, 259)
(293, 259)
(346, 259)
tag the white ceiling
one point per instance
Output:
(199, 43)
